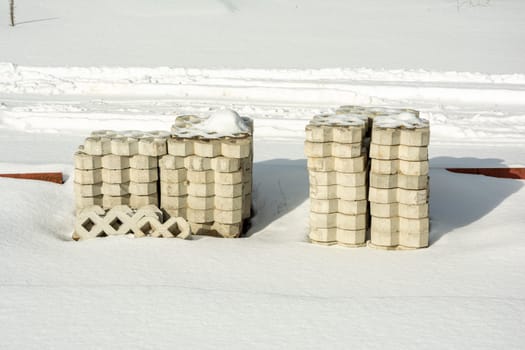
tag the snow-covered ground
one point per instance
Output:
(270, 289)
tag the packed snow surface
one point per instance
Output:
(402, 120)
(223, 122)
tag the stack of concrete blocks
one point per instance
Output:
(206, 177)
(119, 168)
(399, 182)
(337, 165)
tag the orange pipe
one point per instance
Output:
(50, 177)
(506, 173)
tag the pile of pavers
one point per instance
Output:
(395, 180)
(203, 177)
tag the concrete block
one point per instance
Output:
(88, 177)
(383, 152)
(414, 233)
(201, 177)
(247, 206)
(199, 215)
(89, 222)
(104, 133)
(338, 206)
(87, 190)
(324, 206)
(138, 201)
(115, 189)
(115, 176)
(176, 212)
(319, 178)
(140, 161)
(415, 137)
(174, 227)
(83, 202)
(196, 163)
(109, 202)
(236, 148)
(384, 239)
(323, 235)
(112, 161)
(180, 147)
(382, 136)
(318, 133)
(84, 161)
(143, 175)
(411, 153)
(143, 188)
(173, 202)
(173, 176)
(384, 166)
(201, 203)
(226, 165)
(152, 146)
(351, 238)
(351, 222)
(173, 189)
(350, 165)
(246, 186)
(170, 162)
(227, 203)
(201, 190)
(97, 146)
(124, 146)
(392, 195)
(413, 211)
(228, 216)
(411, 182)
(413, 168)
(229, 178)
(348, 134)
(228, 230)
(318, 149)
(222, 190)
(207, 148)
(338, 192)
(346, 150)
(318, 220)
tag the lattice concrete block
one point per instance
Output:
(116, 176)
(348, 222)
(173, 175)
(247, 206)
(124, 146)
(176, 189)
(88, 177)
(201, 177)
(152, 146)
(408, 137)
(338, 192)
(176, 212)
(207, 148)
(87, 190)
(201, 203)
(410, 182)
(228, 216)
(115, 189)
(328, 206)
(201, 190)
(180, 147)
(388, 210)
(351, 238)
(327, 149)
(143, 188)
(197, 163)
(400, 195)
(140, 161)
(326, 236)
(388, 152)
(231, 178)
(236, 147)
(170, 162)
(228, 203)
(112, 161)
(326, 178)
(397, 231)
(416, 168)
(173, 227)
(84, 161)
(143, 175)
(347, 165)
(227, 165)
(97, 146)
(236, 190)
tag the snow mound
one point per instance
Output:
(402, 120)
(221, 123)
(348, 119)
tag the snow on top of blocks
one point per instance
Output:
(221, 123)
(404, 120)
(126, 143)
(348, 119)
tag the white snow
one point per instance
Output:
(80, 66)
(404, 120)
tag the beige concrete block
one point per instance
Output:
(386, 136)
(97, 146)
(350, 237)
(229, 178)
(201, 203)
(226, 165)
(87, 190)
(318, 220)
(196, 163)
(399, 210)
(228, 203)
(412, 197)
(318, 133)
(143, 188)
(228, 230)
(247, 206)
(170, 162)
(318, 149)
(83, 202)
(386, 225)
(115, 176)
(143, 175)
(384, 166)
(382, 195)
(200, 216)
(222, 190)
(201, 177)
(173, 202)
(351, 222)
(84, 161)
(384, 210)
(228, 216)
(112, 161)
(413, 168)
(247, 186)
(321, 164)
(350, 165)
(109, 202)
(337, 178)
(173, 189)
(414, 233)
(140, 161)
(138, 201)
(115, 189)
(383, 180)
(176, 212)
(173, 176)
(201, 190)
(411, 182)
(383, 152)
(411, 153)
(153, 146)
(346, 150)
(349, 134)
(207, 148)
(384, 239)
(415, 137)
(180, 147)
(338, 192)
(324, 206)
(236, 148)
(324, 235)
(88, 177)
(124, 146)
(357, 207)
(204, 229)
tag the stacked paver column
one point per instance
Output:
(337, 164)
(399, 190)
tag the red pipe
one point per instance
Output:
(50, 177)
(506, 173)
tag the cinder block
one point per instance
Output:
(83, 202)
(201, 190)
(323, 235)
(382, 136)
(226, 165)
(229, 178)
(143, 188)
(227, 203)
(207, 148)
(196, 163)
(115, 189)
(413, 168)
(415, 137)
(143, 175)
(351, 238)
(88, 177)
(173, 189)
(87, 190)
(97, 146)
(173, 202)
(84, 161)
(180, 147)
(222, 190)
(236, 148)
(201, 203)
(201, 177)
(112, 161)
(140, 161)
(173, 176)
(152, 146)
(109, 202)
(200, 216)
(137, 201)
(170, 162)
(228, 216)
(115, 176)
(124, 146)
